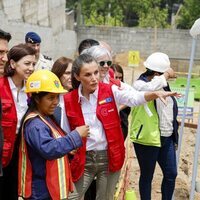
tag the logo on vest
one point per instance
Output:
(107, 100)
(104, 112)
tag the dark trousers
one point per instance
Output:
(9, 180)
(166, 157)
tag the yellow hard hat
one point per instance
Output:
(44, 81)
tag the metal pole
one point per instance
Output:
(195, 163)
(186, 98)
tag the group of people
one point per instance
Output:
(63, 123)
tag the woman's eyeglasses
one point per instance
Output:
(102, 63)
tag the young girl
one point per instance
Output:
(96, 104)
(44, 171)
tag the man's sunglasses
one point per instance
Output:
(102, 63)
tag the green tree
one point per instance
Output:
(151, 15)
(101, 12)
(145, 13)
(71, 4)
(129, 12)
(189, 12)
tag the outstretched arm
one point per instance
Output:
(157, 83)
(149, 96)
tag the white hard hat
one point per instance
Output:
(158, 62)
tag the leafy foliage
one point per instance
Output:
(142, 13)
(189, 13)
(151, 14)
(101, 12)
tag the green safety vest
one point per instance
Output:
(144, 128)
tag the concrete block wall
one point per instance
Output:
(30, 11)
(70, 20)
(43, 13)
(57, 15)
(12, 9)
(46, 17)
(35, 12)
(175, 43)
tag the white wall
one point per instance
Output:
(45, 17)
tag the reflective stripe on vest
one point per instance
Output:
(58, 174)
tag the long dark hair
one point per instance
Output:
(77, 65)
(16, 53)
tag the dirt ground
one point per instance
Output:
(183, 181)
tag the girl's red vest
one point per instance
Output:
(9, 120)
(107, 113)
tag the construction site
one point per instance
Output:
(130, 173)
(60, 37)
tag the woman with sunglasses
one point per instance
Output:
(96, 104)
(104, 60)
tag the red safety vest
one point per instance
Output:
(58, 173)
(107, 113)
(9, 120)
